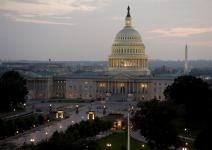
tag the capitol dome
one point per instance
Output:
(128, 51)
(128, 34)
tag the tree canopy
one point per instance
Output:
(194, 94)
(76, 137)
(188, 105)
(12, 90)
(155, 122)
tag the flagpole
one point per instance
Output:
(128, 131)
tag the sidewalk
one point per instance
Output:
(136, 135)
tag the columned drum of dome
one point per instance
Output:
(128, 51)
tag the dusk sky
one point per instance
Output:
(85, 29)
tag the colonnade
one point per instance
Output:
(119, 87)
(128, 63)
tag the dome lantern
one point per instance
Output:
(128, 19)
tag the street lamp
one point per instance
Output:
(32, 140)
(24, 105)
(77, 109)
(185, 135)
(60, 126)
(46, 133)
(50, 108)
(104, 110)
(109, 145)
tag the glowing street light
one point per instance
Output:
(46, 133)
(77, 109)
(104, 110)
(32, 140)
(60, 126)
(109, 145)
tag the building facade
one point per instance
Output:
(128, 76)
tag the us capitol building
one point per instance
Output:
(127, 78)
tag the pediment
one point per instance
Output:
(121, 76)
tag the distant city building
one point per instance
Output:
(128, 76)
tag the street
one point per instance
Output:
(45, 131)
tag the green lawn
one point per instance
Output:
(119, 142)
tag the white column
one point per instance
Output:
(133, 87)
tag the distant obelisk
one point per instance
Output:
(186, 61)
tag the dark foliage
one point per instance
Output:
(12, 90)
(203, 140)
(189, 104)
(9, 127)
(194, 94)
(155, 120)
(76, 137)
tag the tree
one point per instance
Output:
(203, 140)
(12, 90)
(194, 94)
(74, 138)
(154, 119)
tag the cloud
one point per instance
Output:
(37, 21)
(182, 31)
(205, 43)
(33, 10)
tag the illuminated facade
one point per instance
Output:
(128, 51)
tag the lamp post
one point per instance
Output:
(104, 110)
(108, 145)
(24, 104)
(50, 108)
(186, 143)
(60, 126)
(46, 133)
(32, 140)
(77, 109)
